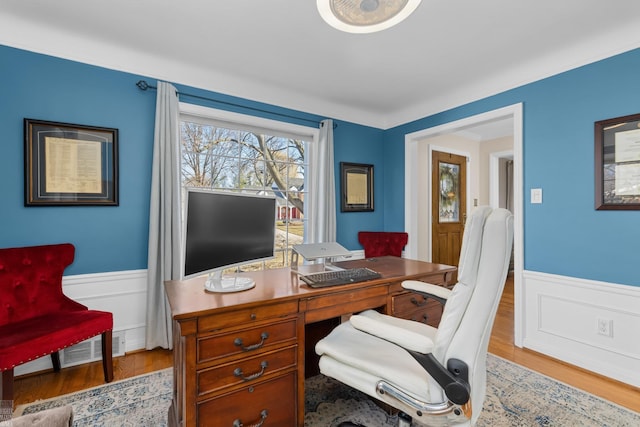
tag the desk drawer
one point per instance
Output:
(334, 305)
(428, 316)
(246, 370)
(416, 307)
(245, 316)
(247, 341)
(347, 296)
(272, 401)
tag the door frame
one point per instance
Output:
(462, 153)
(513, 112)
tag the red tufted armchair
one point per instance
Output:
(36, 318)
(381, 243)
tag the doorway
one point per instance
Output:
(415, 218)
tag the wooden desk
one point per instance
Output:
(239, 357)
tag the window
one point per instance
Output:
(228, 151)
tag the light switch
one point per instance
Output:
(536, 195)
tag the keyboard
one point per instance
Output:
(339, 277)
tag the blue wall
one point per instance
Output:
(41, 87)
(565, 235)
(115, 238)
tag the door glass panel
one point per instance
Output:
(449, 206)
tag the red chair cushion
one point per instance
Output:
(381, 243)
(39, 336)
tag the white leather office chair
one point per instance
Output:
(436, 376)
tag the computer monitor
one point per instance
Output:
(225, 229)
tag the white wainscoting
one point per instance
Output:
(123, 293)
(562, 316)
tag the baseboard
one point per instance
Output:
(590, 324)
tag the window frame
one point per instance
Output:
(222, 118)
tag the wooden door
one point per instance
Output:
(448, 206)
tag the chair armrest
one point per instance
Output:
(454, 379)
(428, 290)
(408, 334)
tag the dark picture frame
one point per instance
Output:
(617, 163)
(68, 164)
(356, 187)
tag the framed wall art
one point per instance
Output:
(617, 163)
(68, 164)
(356, 187)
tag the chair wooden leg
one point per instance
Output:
(107, 357)
(55, 360)
(7, 384)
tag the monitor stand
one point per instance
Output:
(217, 283)
(314, 252)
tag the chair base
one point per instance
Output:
(437, 414)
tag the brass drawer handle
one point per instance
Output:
(238, 372)
(422, 319)
(238, 342)
(263, 417)
(418, 303)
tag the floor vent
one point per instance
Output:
(91, 350)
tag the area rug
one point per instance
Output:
(139, 401)
(516, 396)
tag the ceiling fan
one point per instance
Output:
(365, 16)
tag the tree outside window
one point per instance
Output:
(246, 161)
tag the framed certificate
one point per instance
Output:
(69, 164)
(617, 163)
(356, 187)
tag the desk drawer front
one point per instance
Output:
(346, 297)
(244, 316)
(416, 307)
(411, 301)
(246, 341)
(429, 317)
(270, 402)
(246, 370)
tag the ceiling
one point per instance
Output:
(447, 53)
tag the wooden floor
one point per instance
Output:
(46, 385)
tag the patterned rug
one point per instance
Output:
(139, 401)
(516, 396)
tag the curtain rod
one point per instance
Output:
(143, 85)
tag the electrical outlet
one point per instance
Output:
(605, 327)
